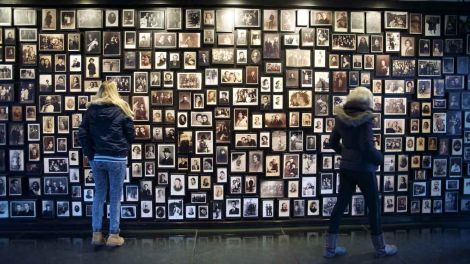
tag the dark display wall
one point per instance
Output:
(234, 107)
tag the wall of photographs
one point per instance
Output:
(233, 109)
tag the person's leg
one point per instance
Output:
(347, 185)
(101, 187)
(117, 173)
(346, 189)
(368, 185)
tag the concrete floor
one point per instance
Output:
(275, 245)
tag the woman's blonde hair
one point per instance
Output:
(361, 95)
(108, 94)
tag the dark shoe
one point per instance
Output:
(98, 239)
(114, 240)
(382, 249)
(331, 250)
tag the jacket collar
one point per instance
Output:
(100, 101)
(354, 113)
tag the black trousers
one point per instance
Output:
(347, 186)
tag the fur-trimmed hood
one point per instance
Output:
(100, 101)
(354, 113)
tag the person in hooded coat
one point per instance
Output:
(359, 161)
(106, 134)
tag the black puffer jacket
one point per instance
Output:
(105, 130)
(354, 126)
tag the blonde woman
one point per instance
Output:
(105, 134)
(359, 161)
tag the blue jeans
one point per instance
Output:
(114, 172)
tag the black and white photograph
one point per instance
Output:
(56, 165)
(89, 18)
(23, 209)
(151, 19)
(395, 20)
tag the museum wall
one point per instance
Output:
(233, 109)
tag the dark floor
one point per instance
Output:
(274, 245)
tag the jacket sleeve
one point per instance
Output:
(128, 127)
(366, 144)
(334, 141)
(85, 138)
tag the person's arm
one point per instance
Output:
(366, 144)
(85, 138)
(128, 127)
(334, 141)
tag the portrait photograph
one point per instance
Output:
(152, 19)
(23, 209)
(166, 156)
(189, 40)
(341, 21)
(270, 20)
(416, 23)
(320, 18)
(177, 183)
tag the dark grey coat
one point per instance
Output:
(105, 130)
(354, 126)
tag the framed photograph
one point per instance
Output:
(287, 20)
(271, 46)
(56, 185)
(189, 81)
(5, 16)
(358, 22)
(166, 156)
(178, 185)
(395, 106)
(233, 208)
(67, 19)
(283, 208)
(270, 19)
(320, 18)
(152, 19)
(193, 18)
(164, 40)
(188, 40)
(111, 43)
(51, 42)
(25, 16)
(376, 43)
(432, 25)
(341, 21)
(112, 18)
(23, 209)
(90, 18)
(395, 20)
(128, 211)
(128, 18)
(173, 18)
(56, 165)
(247, 18)
(416, 23)
(394, 126)
(373, 22)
